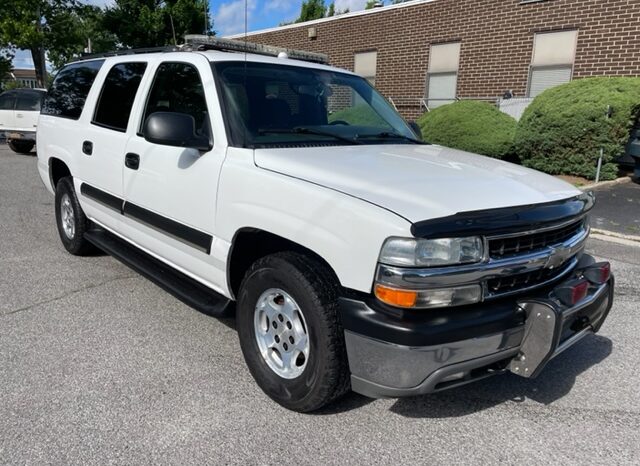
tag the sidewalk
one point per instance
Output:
(617, 208)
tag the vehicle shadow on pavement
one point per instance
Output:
(555, 381)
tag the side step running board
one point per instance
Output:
(185, 288)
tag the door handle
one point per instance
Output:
(132, 161)
(19, 115)
(87, 147)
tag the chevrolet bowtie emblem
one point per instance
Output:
(557, 257)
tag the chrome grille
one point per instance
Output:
(503, 247)
(522, 281)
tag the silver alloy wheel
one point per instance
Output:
(68, 217)
(281, 333)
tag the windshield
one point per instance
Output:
(269, 105)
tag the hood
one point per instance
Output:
(417, 182)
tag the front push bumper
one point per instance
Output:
(520, 336)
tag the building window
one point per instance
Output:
(365, 65)
(442, 78)
(552, 62)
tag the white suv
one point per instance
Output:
(19, 112)
(291, 193)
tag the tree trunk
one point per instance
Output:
(39, 62)
(37, 54)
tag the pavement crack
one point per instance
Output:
(68, 293)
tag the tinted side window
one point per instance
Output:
(7, 101)
(177, 88)
(69, 90)
(118, 94)
(29, 101)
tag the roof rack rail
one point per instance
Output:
(116, 53)
(201, 42)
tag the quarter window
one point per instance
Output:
(70, 88)
(177, 87)
(552, 62)
(442, 78)
(117, 96)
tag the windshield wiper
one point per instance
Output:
(392, 135)
(305, 130)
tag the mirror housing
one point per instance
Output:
(416, 129)
(174, 129)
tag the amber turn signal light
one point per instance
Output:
(395, 297)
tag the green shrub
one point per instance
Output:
(563, 129)
(468, 125)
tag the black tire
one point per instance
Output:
(326, 374)
(75, 243)
(21, 147)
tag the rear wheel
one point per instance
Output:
(289, 331)
(71, 220)
(21, 147)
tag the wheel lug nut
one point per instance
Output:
(277, 339)
(289, 325)
(280, 318)
(285, 346)
(291, 340)
(275, 325)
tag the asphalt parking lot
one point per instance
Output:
(98, 365)
(618, 208)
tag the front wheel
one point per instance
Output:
(289, 331)
(21, 147)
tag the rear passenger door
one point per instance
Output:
(7, 114)
(28, 110)
(171, 192)
(103, 142)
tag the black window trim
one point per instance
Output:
(153, 82)
(104, 81)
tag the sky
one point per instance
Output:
(228, 17)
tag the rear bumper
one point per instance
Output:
(20, 136)
(419, 357)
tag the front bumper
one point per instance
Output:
(392, 356)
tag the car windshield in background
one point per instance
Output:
(270, 105)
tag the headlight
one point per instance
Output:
(411, 252)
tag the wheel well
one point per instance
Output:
(57, 170)
(250, 244)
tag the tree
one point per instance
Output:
(77, 31)
(5, 65)
(34, 25)
(332, 9)
(310, 10)
(153, 23)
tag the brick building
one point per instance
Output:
(426, 52)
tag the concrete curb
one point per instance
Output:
(606, 235)
(601, 184)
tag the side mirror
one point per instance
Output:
(174, 129)
(416, 129)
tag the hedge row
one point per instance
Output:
(468, 125)
(561, 132)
